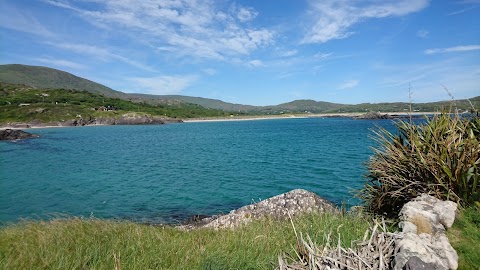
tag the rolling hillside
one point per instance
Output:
(43, 77)
(204, 102)
(24, 104)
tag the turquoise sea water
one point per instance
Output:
(167, 173)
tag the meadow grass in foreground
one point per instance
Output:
(465, 238)
(104, 244)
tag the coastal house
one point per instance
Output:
(107, 108)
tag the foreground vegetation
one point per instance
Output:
(464, 236)
(77, 243)
(440, 157)
(101, 244)
(19, 103)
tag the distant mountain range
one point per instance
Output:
(44, 77)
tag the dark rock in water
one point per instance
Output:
(292, 203)
(373, 115)
(196, 220)
(15, 134)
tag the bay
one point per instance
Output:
(166, 173)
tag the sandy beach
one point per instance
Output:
(252, 118)
(297, 116)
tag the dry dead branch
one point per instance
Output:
(375, 251)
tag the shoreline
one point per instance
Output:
(40, 127)
(25, 126)
(301, 116)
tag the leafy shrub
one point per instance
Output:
(440, 157)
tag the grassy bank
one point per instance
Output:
(102, 244)
(465, 238)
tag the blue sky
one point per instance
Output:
(255, 52)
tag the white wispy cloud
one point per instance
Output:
(246, 14)
(256, 63)
(459, 76)
(209, 71)
(332, 19)
(463, 48)
(288, 53)
(163, 85)
(60, 63)
(402, 80)
(21, 21)
(348, 84)
(422, 33)
(322, 55)
(471, 4)
(184, 27)
(99, 53)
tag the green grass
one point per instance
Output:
(465, 238)
(48, 105)
(101, 244)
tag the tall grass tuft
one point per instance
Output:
(440, 157)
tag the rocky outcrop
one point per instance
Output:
(15, 134)
(135, 119)
(295, 202)
(373, 115)
(424, 244)
(125, 119)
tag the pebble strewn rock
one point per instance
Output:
(294, 202)
(424, 244)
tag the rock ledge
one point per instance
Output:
(295, 202)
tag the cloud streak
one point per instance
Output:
(61, 63)
(422, 33)
(256, 63)
(165, 84)
(463, 48)
(99, 53)
(22, 21)
(333, 19)
(348, 84)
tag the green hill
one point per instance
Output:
(24, 104)
(43, 77)
(204, 102)
(461, 105)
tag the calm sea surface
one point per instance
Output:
(169, 172)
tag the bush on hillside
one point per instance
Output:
(440, 157)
